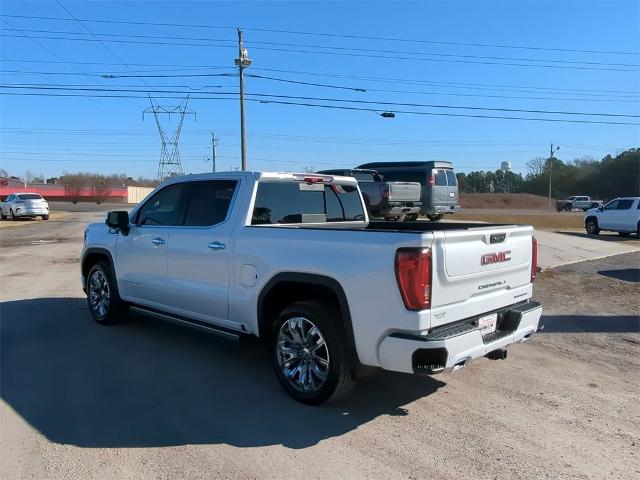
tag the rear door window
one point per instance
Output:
(441, 178)
(281, 202)
(624, 204)
(405, 176)
(451, 178)
(209, 203)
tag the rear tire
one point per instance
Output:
(412, 217)
(568, 207)
(103, 298)
(624, 234)
(45, 217)
(435, 218)
(12, 217)
(638, 230)
(310, 356)
(591, 226)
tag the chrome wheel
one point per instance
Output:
(302, 353)
(99, 294)
(591, 227)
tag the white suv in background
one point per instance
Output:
(621, 215)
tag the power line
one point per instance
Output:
(335, 47)
(104, 45)
(335, 35)
(425, 82)
(349, 54)
(285, 137)
(368, 89)
(343, 107)
(324, 99)
(447, 84)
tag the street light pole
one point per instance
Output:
(551, 151)
(242, 61)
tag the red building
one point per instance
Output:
(52, 191)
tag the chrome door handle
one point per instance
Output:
(158, 241)
(217, 246)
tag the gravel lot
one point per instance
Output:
(147, 399)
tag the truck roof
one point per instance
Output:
(257, 176)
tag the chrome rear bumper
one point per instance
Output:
(453, 346)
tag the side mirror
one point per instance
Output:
(118, 219)
(601, 209)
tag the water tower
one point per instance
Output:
(505, 166)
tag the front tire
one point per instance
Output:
(591, 226)
(103, 299)
(624, 234)
(12, 217)
(45, 217)
(310, 358)
(436, 217)
(412, 217)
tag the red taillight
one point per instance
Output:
(431, 181)
(534, 258)
(413, 272)
(311, 179)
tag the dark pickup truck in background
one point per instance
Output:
(390, 200)
(437, 178)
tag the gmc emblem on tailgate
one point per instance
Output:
(497, 257)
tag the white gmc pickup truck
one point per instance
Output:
(293, 259)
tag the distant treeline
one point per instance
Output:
(602, 179)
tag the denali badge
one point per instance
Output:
(497, 257)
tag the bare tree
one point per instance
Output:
(537, 166)
(100, 189)
(73, 185)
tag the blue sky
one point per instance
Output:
(48, 134)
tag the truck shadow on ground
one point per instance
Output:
(591, 323)
(147, 383)
(604, 236)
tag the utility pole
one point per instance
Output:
(214, 142)
(551, 152)
(242, 62)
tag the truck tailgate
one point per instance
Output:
(404, 191)
(481, 262)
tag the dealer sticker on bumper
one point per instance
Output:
(487, 324)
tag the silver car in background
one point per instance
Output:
(24, 204)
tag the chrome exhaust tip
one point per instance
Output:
(461, 364)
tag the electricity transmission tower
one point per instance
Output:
(170, 165)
